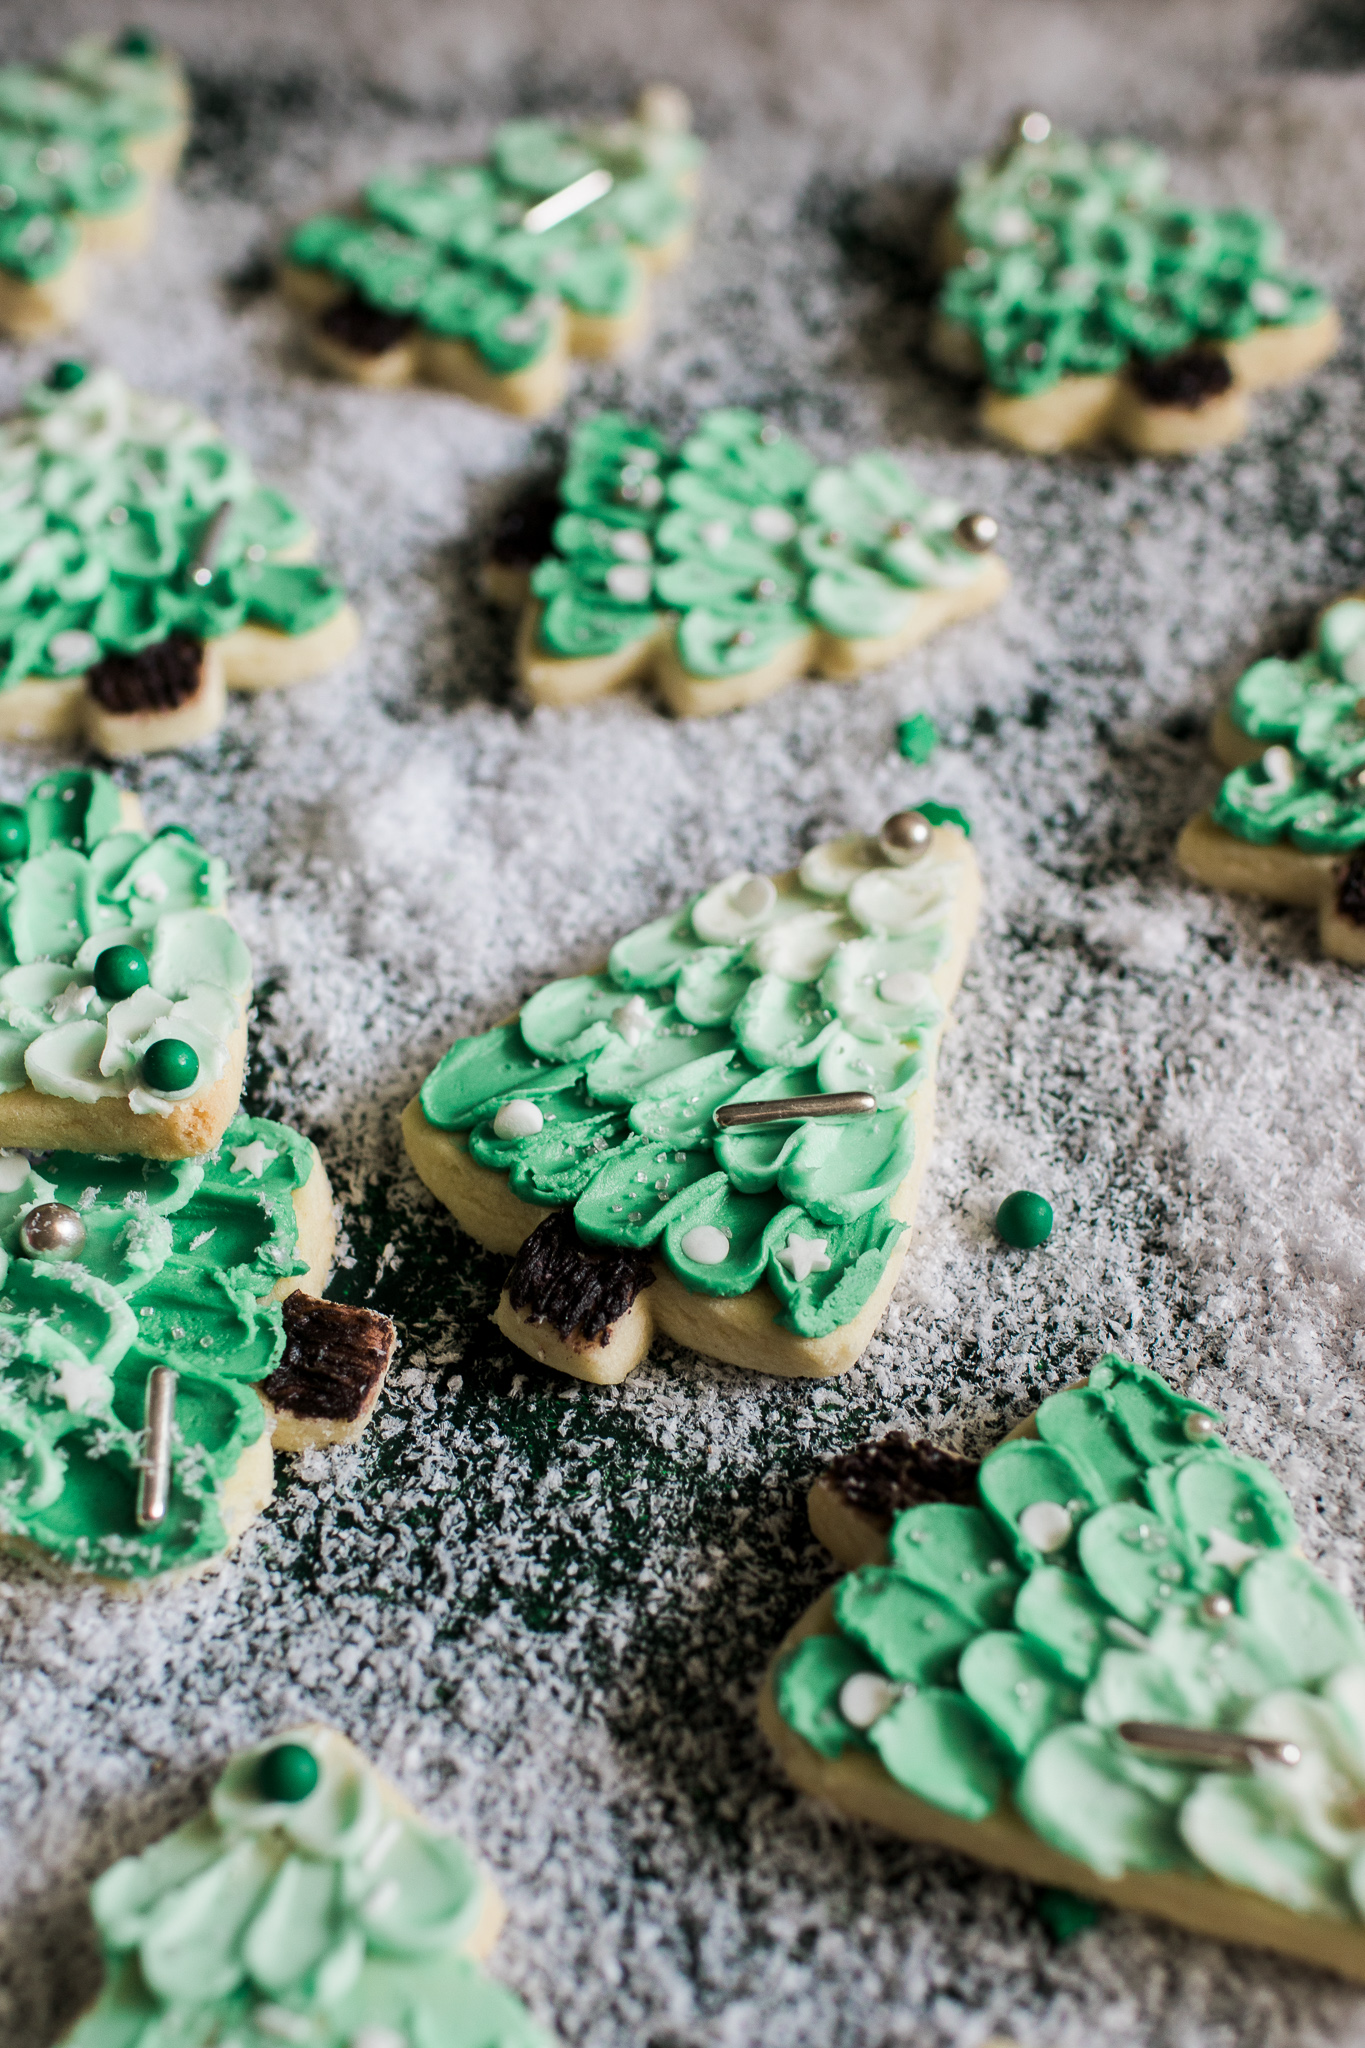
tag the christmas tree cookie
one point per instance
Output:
(723, 1136)
(1289, 820)
(144, 572)
(308, 1904)
(82, 146)
(486, 278)
(723, 569)
(154, 1346)
(1100, 1660)
(1097, 307)
(123, 985)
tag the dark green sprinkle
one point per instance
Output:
(917, 737)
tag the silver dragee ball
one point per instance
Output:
(52, 1231)
(1199, 1428)
(1216, 1607)
(906, 837)
(978, 531)
(1033, 126)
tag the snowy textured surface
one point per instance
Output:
(546, 1609)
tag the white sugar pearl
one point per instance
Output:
(705, 1245)
(1278, 764)
(865, 1697)
(773, 523)
(630, 545)
(755, 896)
(904, 989)
(519, 1119)
(630, 581)
(1010, 227)
(1268, 299)
(1045, 1525)
(13, 1172)
(73, 649)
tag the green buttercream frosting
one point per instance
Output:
(64, 137)
(1310, 715)
(177, 1258)
(109, 503)
(86, 883)
(1122, 1565)
(333, 1918)
(448, 247)
(749, 993)
(1077, 260)
(739, 536)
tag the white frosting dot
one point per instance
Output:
(903, 989)
(755, 897)
(772, 523)
(1045, 1525)
(865, 1697)
(705, 1245)
(13, 1172)
(630, 545)
(1010, 227)
(73, 649)
(1269, 299)
(518, 1119)
(632, 582)
(1278, 765)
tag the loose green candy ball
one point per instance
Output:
(287, 1773)
(13, 832)
(66, 376)
(1024, 1220)
(169, 1064)
(137, 42)
(120, 971)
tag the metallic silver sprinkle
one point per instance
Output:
(154, 1492)
(1208, 1745)
(793, 1109)
(569, 200)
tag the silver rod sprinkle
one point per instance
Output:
(211, 539)
(154, 1493)
(1208, 1745)
(569, 200)
(793, 1109)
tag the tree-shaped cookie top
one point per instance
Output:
(487, 253)
(309, 1904)
(1307, 786)
(604, 1093)
(119, 974)
(145, 1263)
(1122, 1569)
(742, 535)
(124, 519)
(1071, 260)
(67, 137)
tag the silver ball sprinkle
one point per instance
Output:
(1199, 1428)
(52, 1231)
(977, 531)
(1033, 127)
(906, 837)
(1216, 1607)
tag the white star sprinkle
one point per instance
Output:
(81, 1386)
(74, 1000)
(253, 1158)
(631, 1020)
(803, 1256)
(1229, 1551)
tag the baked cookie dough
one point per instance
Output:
(1101, 1661)
(144, 572)
(723, 569)
(486, 278)
(1098, 308)
(307, 1903)
(1289, 821)
(83, 144)
(123, 985)
(128, 1283)
(722, 1138)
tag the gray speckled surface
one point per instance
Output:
(546, 1609)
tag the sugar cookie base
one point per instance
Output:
(33, 1122)
(858, 1785)
(739, 1329)
(1280, 873)
(59, 710)
(552, 679)
(1079, 411)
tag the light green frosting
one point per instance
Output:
(1018, 1635)
(64, 136)
(327, 1921)
(87, 884)
(1307, 788)
(1077, 260)
(177, 1258)
(748, 993)
(446, 246)
(106, 499)
(740, 535)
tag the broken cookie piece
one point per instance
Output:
(324, 1389)
(564, 1296)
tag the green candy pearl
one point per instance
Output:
(13, 832)
(169, 1064)
(136, 42)
(65, 376)
(121, 971)
(288, 1773)
(1024, 1220)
